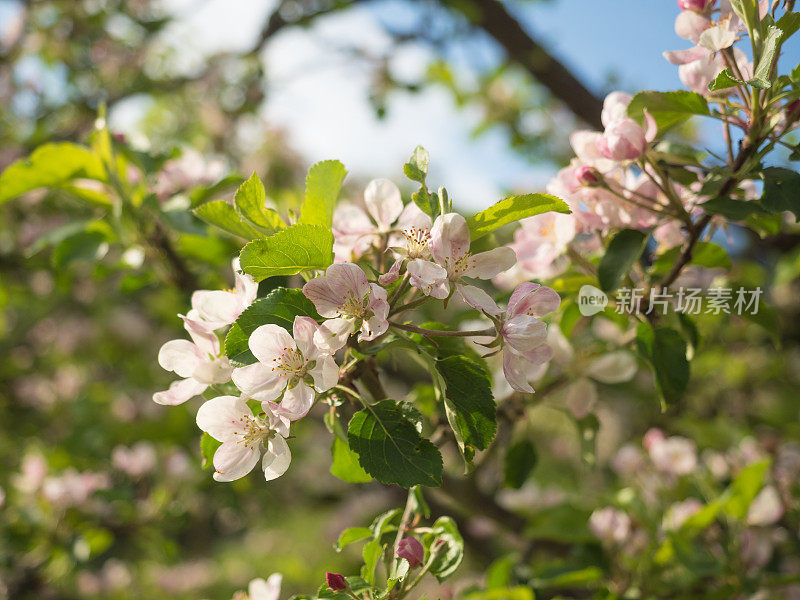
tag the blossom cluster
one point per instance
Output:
(293, 369)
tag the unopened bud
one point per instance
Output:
(793, 110)
(410, 549)
(335, 581)
(698, 5)
(587, 175)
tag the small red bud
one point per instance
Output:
(335, 581)
(410, 549)
(587, 175)
(793, 109)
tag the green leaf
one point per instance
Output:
(351, 535)
(372, 554)
(390, 448)
(789, 23)
(447, 544)
(279, 307)
(622, 252)
(297, 248)
(416, 169)
(220, 213)
(665, 349)
(724, 81)
(667, 108)
(705, 254)
(732, 208)
(518, 592)
(84, 246)
(345, 463)
(251, 200)
(781, 190)
(744, 488)
(468, 389)
(323, 183)
(513, 209)
(208, 446)
(50, 165)
(769, 48)
(520, 461)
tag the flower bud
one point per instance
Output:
(335, 581)
(699, 5)
(623, 139)
(410, 549)
(587, 175)
(793, 110)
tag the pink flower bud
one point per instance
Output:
(623, 140)
(410, 549)
(335, 581)
(793, 110)
(587, 175)
(699, 5)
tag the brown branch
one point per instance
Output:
(493, 17)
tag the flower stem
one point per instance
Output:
(438, 332)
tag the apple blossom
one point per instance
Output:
(719, 35)
(265, 590)
(674, 455)
(695, 5)
(766, 508)
(523, 335)
(625, 139)
(410, 549)
(213, 309)
(609, 525)
(450, 241)
(349, 302)
(198, 362)
(689, 25)
(229, 420)
(296, 367)
(136, 461)
(355, 230)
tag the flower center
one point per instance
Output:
(457, 267)
(417, 242)
(253, 431)
(290, 362)
(354, 307)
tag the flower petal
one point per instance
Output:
(180, 356)
(429, 278)
(269, 342)
(296, 402)
(524, 332)
(259, 381)
(515, 369)
(277, 458)
(383, 201)
(332, 334)
(233, 460)
(614, 367)
(325, 373)
(478, 299)
(532, 299)
(304, 330)
(179, 392)
(222, 417)
(217, 307)
(449, 238)
(265, 590)
(486, 265)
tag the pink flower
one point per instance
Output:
(349, 302)
(410, 549)
(541, 241)
(136, 461)
(229, 420)
(689, 25)
(295, 367)
(615, 107)
(355, 231)
(213, 309)
(766, 508)
(188, 170)
(625, 139)
(674, 455)
(698, 5)
(450, 241)
(198, 362)
(678, 513)
(523, 334)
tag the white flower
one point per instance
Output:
(450, 241)
(301, 366)
(265, 590)
(229, 420)
(675, 455)
(610, 525)
(198, 362)
(213, 309)
(345, 297)
(766, 508)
